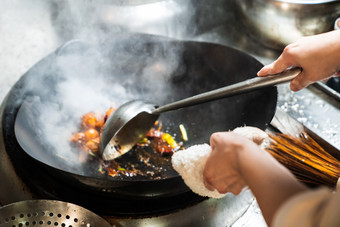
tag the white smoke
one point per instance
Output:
(35, 28)
(88, 79)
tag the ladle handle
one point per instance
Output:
(234, 89)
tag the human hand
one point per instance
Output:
(222, 170)
(236, 162)
(318, 56)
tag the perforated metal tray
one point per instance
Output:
(48, 213)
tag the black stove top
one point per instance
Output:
(44, 184)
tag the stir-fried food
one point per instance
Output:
(87, 139)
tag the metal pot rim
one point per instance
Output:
(306, 2)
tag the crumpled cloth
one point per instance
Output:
(190, 163)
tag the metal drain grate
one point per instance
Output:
(48, 213)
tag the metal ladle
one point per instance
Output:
(132, 120)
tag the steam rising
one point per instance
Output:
(92, 79)
(100, 75)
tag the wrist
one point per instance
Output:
(334, 44)
(248, 158)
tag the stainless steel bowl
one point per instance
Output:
(276, 23)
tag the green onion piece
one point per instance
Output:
(144, 140)
(183, 132)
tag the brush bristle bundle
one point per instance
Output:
(307, 160)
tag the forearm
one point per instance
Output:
(270, 182)
(335, 42)
(331, 48)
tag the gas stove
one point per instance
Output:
(27, 179)
(317, 107)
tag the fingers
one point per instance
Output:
(299, 82)
(276, 67)
(207, 182)
(266, 70)
(284, 61)
(235, 187)
(303, 80)
(221, 170)
(208, 176)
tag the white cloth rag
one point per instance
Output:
(190, 163)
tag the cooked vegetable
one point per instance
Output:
(91, 134)
(89, 120)
(170, 140)
(88, 141)
(92, 145)
(183, 132)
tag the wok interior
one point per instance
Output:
(140, 67)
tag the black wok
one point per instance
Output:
(139, 64)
